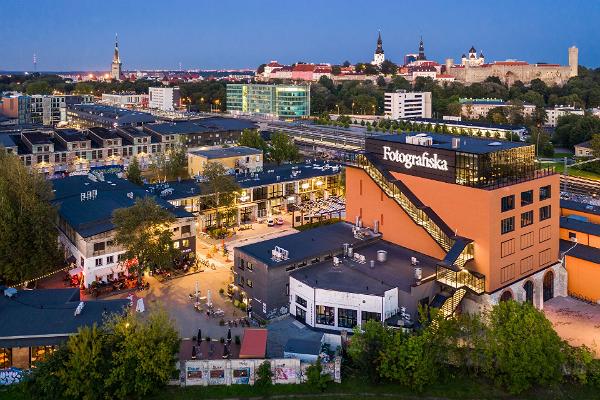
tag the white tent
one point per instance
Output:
(140, 305)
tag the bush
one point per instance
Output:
(264, 375)
(315, 378)
(237, 340)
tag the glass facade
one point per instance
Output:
(285, 101)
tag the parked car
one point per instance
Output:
(270, 221)
(279, 221)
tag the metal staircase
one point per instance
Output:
(451, 270)
(452, 302)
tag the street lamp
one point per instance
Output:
(352, 108)
(373, 109)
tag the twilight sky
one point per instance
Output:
(79, 34)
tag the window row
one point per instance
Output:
(507, 203)
(346, 318)
(508, 224)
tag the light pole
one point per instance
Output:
(352, 108)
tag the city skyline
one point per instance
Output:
(64, 38)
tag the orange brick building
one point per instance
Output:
(481, 207)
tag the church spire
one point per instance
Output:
(421, 50)
(379, 48)
(116, 58)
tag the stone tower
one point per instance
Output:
(379, 56)
(421, 56)
(573, 60)
(115, 71)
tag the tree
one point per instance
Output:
(575, 129)
(28, 247)
(283, 148)
(143, 354)
(85, 369)
(388, 68)
(336, 70)
(523, 348)
(595, 144)
(220, 187)
(177, 162)
(45, 383)
(454, 108)
(143, 230)
(252, 138)
(315, 377)
(264, 375)
(365, 348)
(541, 140)
(380, 81)
(134, 173)
(38, 87)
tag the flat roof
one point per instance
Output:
(352, 277)
(110, 114)
(48, 312)
(71, 135)
(579, 206)
(94, 216)
(468, 123)
(578, 225)
(581, 251)
(303, 245)
(131, 131)
(303, 346)
(37, 138)
(104, 133)
(201, 125)
(468, 144)
(225, 152)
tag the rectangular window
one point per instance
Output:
(507, 273)
(507, 248)
(5, 357)
(185, 243)
(508, 203)
(526, 197)
(346, 318)
(545, 233)
(301, 301)
(507, 225)
(99, 246)
(545, 192)
(526, 218)
(250, 266)
(370, 316)
(110, 259)
(526, 264)
(545, 257)
(545, 213)
(526, 240)
(39, 353)
(325, 315)
(186, 229)
(98, 262)
(573, 236)
(242, 263)
(249, 282)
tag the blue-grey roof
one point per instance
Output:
(468, 144)
(237, 151)
(108, 114)
(48, 313)
(469, 123)
(7, 140)
(351, 277)
(94, 216)
(582, 251)
(303, 346)
(302, 245)
(203, 125)
(575, 224)
(190, 188)
(71, 135)
(579, 206)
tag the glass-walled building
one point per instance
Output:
(278, 101)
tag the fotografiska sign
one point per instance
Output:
(409, 160)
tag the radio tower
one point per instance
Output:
(34, 63)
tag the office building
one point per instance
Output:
(34, 323)
(235, 159)
(580, 248)
(275, 101)
(125, 100)
(85, 206)
(47, 110)
(164, 98)
(403, 104)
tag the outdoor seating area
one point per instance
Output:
(316, 210)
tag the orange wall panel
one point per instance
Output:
(584, 278)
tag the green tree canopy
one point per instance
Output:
(28, 248)
(134, 173)
(144, 231)
(282, 148)
(252, 138)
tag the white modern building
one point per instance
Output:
(163, 98)
(125, 100)
(403, 104)
(553, 114)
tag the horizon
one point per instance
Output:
(236, 35)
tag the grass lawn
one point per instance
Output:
(559, 167)
(458, 388)
(453, 389)
(563, 155)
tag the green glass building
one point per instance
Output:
(280, 101)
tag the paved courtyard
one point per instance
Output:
(575, 321)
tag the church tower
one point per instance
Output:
(421, 56)
(379, 56)
(115, 72)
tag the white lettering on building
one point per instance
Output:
(409, 160)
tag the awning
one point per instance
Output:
(75, 271)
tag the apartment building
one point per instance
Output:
(274, 101)
(164, 98)
(403, 104)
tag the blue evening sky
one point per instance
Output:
(79, 35)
